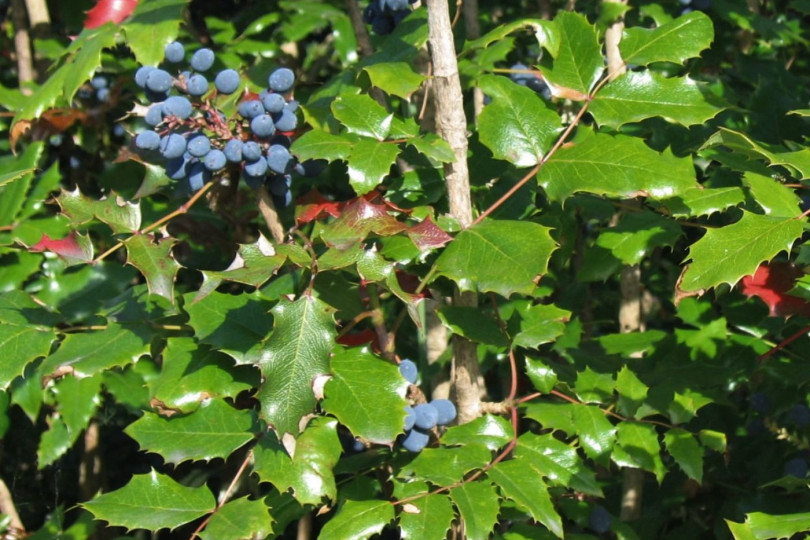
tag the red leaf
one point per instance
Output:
(771, 283)
(361, 338)
(74, 248)
(426, 235)
(314, 205)
(109, 10)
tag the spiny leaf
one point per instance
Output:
(762, 525)
(26, 333)
(444, 466)
(774, 198)
(726, 254)
(362, 115)
(492, 431)
(797, 161)
(239, 519)
(500, 256)
(161, 503)
(153, 258)
(396, 78)
(369, 163)
(317, 144)
(578, 63)
(545, 456)
(122, 216)
(528, 492)
(153, 24)
(682, 446)
(356, 520)
(253, 265)
(695, 202)
(638, 446)
(297, 352)
(674, 41)
(635, 96)
(74, 248)
(477, 502)
(432, 518)
(637, 235)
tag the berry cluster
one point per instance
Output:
(384, 15)
(523, 76)
(99, 89)
(420, 419)
(194, 139)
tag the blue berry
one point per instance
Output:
(426, 416)
(311, 167)
(286, 121)
(198, 175)
(272, 102)
(199, 145)
(415, 440)
(197, 85)
(279, 184)
(155, 97)
(256, 168)
(250, 109)
(202, 60)
(227, 81)
(142, 74)
(233, 150)
(158, 80)
(251, 151)
(98, 82)
(409, 371)
(446, 410)
(215, 160)
(262, 126)
(147, 140)
(760, 402)
(410, 417)
(599, 520)
(177, 106)
(172, 146)
(800, 414)
(279, 159)
(281, 80)
(177, 168)
(103, 94)
(174, 52)
(154, 115)
(254, 182)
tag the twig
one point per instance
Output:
(225, 496)
(22, 44)
(270, 215)
(8, 508)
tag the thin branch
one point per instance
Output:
(225, 496)
(8, 508)
(359, 27)
(22, 45)
(270, 215)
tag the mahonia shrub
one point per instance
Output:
(569, 302)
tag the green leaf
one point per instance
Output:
(472, 324)
(26, 334)
(395, 78)
(504, 257)
(594, 387)
(153, 182)
(433, 147)
(153, 258)
(675, 41)
(366, 394)
(635, 96)
(444, 466)
(87, 353)
(578, 63)
(234, 324)
(297, 352)
(77, 401)
(637, 235)
(517, 125)
(191, 373)
(550, 458)
(686, 451)
(542, 376)
(631, 391)
(317, 144)
(529, 493)
(714, 440)
(13, 195)
(369, 163)
(362, 115)
(9, 177)
(309, 470)
(356, 520)
(774, 198)
(239, 519)
(54, 443)
(492, 431)
(122, 216)
(546, 32)
(699, 201)
(477, 502)
(152, 25)
(161, 503)
(253, 265)
(763, 525)
(216, 428)
(556, 416)
(539, 324)
(798, 161)
(596, 433)
(726, 254)
(616, 166)
(740, 531)
(638, 447)
(432, 515)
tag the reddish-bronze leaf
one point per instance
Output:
(109, 10)
(74, 248)
(771, 283)
(426, 235)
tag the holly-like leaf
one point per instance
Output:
(695, 202)
(13, 176)
(426, 235)
(395, 78)
(106, 11)
(686, 451)
(297, 352)
(153, 258)
(88, 353)
(253, 265)
(492, 431)
(517, 125)
(675, 41)
(122, 216)
(477, 502)
(26, 333)
(154, 180)
(771, 283)
(540, 324)
(309, 470)
(578, 63)
(556, 416)
(77, 400)
(54, 443)
(547, 457)
(472, 324)
(445, 466)
(161, 502)
(239, 519)
(773, 197)
(433, 147)
(216, 428)
(153, 24)
(357, 520)
(528, 492)
(542, 376)
(73, 249)
(638, 446)
(726, 254)
(761, 525)
(237, 325)
(797, 161)
(504, 257)
(359, 218)
(616, 166)
(593, 386)
(13, 195)
(596, 433)
(367, 395)
(637, 235)
(317, 144)
(369, 163)
(634, 96)
(362, 115)
(631, 390)
(433, 516)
